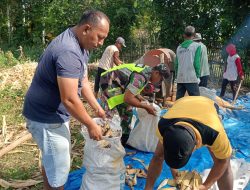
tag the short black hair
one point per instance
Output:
(92, 17)
(188, 34)
(189, 31)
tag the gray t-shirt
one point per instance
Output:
(63, 57)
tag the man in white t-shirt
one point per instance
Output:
(110, 58)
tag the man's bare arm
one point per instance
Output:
(218, 169)
(132, 100)
(68, 88)
(117, 60)
(88, 94)
(155, 167)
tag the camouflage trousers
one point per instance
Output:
(123, 110)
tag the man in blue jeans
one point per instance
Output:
(59, 81)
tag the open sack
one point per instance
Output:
(143, 136)
(103, 159)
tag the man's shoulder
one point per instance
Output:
(196, 44)
(112, 47)
(146, 73)
(203, 45)
(178, 48)
(66, 49)
(66, 41)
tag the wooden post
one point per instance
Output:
(237, 93)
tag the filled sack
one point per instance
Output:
(103, 160)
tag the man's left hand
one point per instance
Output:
(150, 109)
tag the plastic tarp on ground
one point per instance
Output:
(237, 126)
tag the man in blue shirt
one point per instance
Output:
(54, 95)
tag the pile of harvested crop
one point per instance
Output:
(184, 181)
(132, 174)
(108, 132)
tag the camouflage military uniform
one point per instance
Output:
(120, 80)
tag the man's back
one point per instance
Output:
(107, 60)
(204, 120)
(204, 60)
(120, 76)
(186, 57)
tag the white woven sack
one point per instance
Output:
(105, 168)
(143, 136)
(241, 174)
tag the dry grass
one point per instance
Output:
(23, 162)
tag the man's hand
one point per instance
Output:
(150, 109)
(95, 132)
(117, 60)
(202, 187)
(242, 77)
(175, 173)
(100, 113)
(131, 99)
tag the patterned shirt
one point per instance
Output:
(120, 80)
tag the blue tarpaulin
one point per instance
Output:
(237, 126)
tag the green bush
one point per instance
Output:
(11, 101)
(7, 59)
(33, 52)
(3, 60)
(10, 56)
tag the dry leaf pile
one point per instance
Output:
(108, 132)
(142, 163)
(132, 174)
(185, 181)
(18, 76)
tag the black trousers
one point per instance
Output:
(97, 79)
(233, 85)
(191, 88)
(204, 80)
